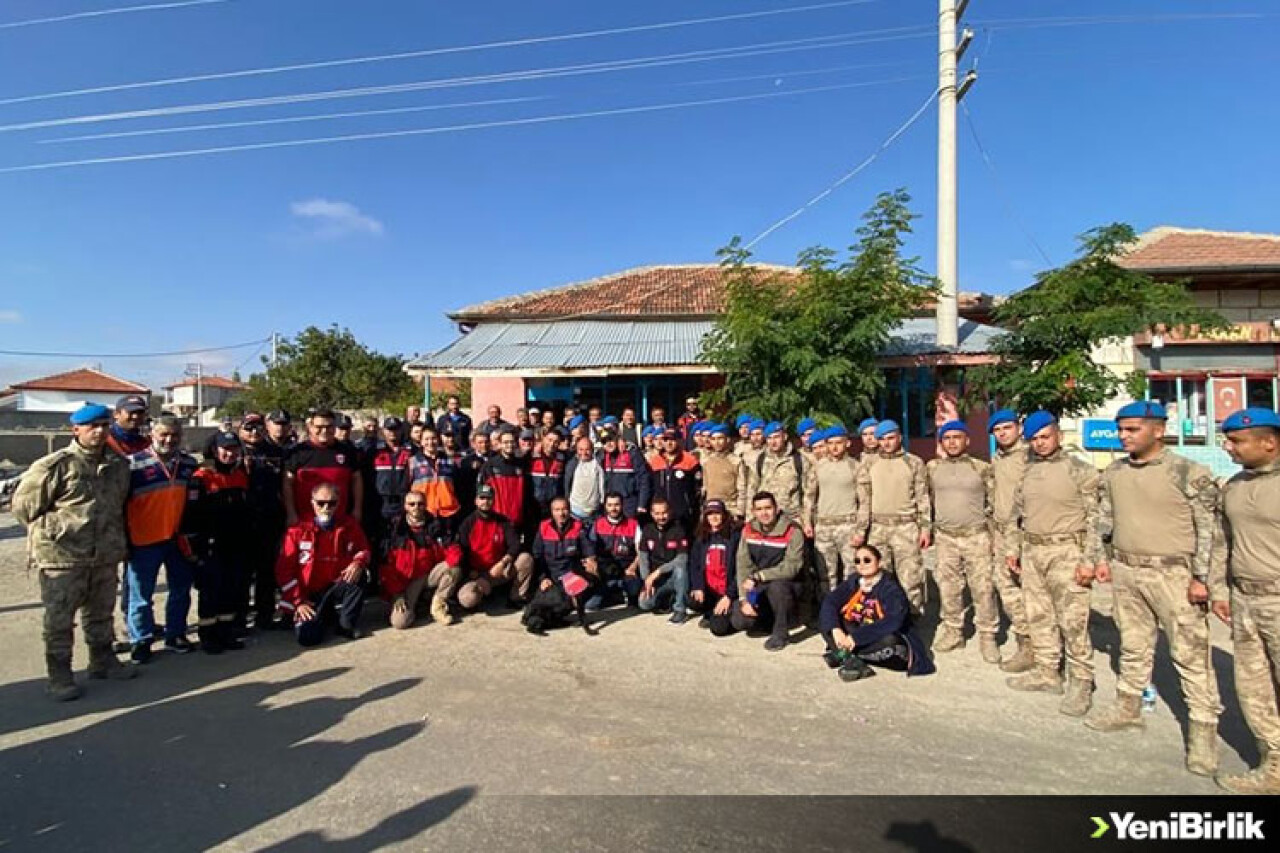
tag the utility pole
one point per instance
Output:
(197, 370)
(275, 349)
(949, 94)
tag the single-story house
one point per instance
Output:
(66, 392)
(200, 399)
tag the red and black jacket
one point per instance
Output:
(390, 468)
(625, 472)
(614, 543)
(219, 515)
(312, 465)
(713, 563)
(559, 550)
(311, 559)
(412, 552)
(678, 480)
(510, 483)
(486, 539)
(547, 475)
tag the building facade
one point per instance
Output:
(66, 392)
(199, 400)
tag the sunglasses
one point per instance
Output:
(864, 561)
(324, 504)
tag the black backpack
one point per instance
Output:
(549, 608)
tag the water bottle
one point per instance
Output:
(1149, 697)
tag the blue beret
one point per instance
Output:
(89, 413)
(836, 431)
(885, 427)
(576, 421)
(774, 427)
(1145, 409)
(608, 419)
(757, 425)
(1002, 416)
(720, 429)
(741, 421)
(1035, 422)
(805, 425)
(869, 423)
(1250, 418)
(816, 437)
(953, 426)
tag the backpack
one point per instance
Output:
(549, 608)
(795, 460)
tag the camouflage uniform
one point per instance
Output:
(1251, 515)
(781, 476)
(831, 509)
(1056, 506)
(1007, 466)
(960, 489)
(72, 504)
(893, 501)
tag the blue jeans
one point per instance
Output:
(671, 590)
(140, 576)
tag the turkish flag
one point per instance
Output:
(1228, 396)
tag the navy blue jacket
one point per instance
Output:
(459, 425)
(557, 552)
(873, 616)
(627, 473)
(725, 542)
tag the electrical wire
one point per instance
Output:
(102, 13)
(1090, 20)
(30, 354)
(848, 176)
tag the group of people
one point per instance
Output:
(746, 525)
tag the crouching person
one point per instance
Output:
(566, 570)
(615, 544)
(770, 564)
(419, 557)
(866, 621)
(491, 556)
(664, 564)
(217, 526)
(713, 575)
(322, 563)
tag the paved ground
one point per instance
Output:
(408, 737)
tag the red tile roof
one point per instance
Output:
(675, 290)
(1186, 249)
(210, 382)
(84, 379)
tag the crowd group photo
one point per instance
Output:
(291, 522)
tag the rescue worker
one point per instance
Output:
(713, 560)
(280, 430)
(546, 472)
(159, 480)
(506, 474)
(1246, 593)
(721, 470)
(780, 471)
(676, 477)
(769, 566)
(492, 556)
(894, 511)
(323, 562)
(960, 490)
(342, 429)
(831, 509)
(867, 434)
(126, 436)
(467, 475)
(218, 524)
(420, 558)
(456, 421)
(685, 423)
(664, 563)
(391, 465)
(263, 461)
(1158, 510)
(72, 504)
(562, 554)
(493, 424)
(625, 472)
(1007, 466)
(430, 474)
(615, 544)
(1055, 549)
(322, 459)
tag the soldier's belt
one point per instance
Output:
(836, 519)
(1146, 561)
(1256, 587)
(893, 519)
(1053, 538)
(963, 532)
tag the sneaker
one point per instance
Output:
(855, 669)
(678, 617)
(834, 658)
(705, 623)
(775, 644)
(179, 645)
(349, 633)
(140, 652)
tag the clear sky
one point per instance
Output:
(1167, 119)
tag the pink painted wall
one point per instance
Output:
(505, 391)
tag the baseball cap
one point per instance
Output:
(226, 439)
(131, 403)
(251, 419)
(670, 433)
(392, 423)
(714, 505)
(279, 416)
(485, 491)
(526, 434)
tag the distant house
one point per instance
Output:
(66, 392)
(200, 400)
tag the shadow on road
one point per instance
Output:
(398, 828)
(924, 836)
(193, 772)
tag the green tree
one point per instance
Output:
(326, 367)
(1046, 357)
(791, 346)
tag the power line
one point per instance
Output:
(31, 354)
(1010, 210)
(1089, 20)
(848, 176)
(102, 13)
(712, 55)
(439, 51)
(428, 131)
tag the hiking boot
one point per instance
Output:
(210, 640)
(229, 634)
(948, 640)
(179, 645)
(1124, 713)
(678, 617)
(1263, 779)
(1037, 681)
(1079, 698)
(140, 652)
(61, 686)
(103, 663)
(1022, 660)
(1202, 748)
(990, 648)
(834, 658)
(855, 669)
(775, 644)
(705, 623)
(440, 611)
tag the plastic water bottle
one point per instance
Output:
(1149, 697)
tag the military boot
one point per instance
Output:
(1079, 698)
(1124, 713)
(948, 640)
(1263, 779)
(990, 648)
(440, 611)
(1022, 660)
(103, 663)
(1038, 680)
(1202, 748)
(61, 687)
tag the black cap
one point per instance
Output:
(392, 423)
(131, 403)
(251, 419)
(227, 439)
(344, 422)
(279, 416)
(485, 491)
(526, 434)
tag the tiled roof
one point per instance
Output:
(1173, 249)
(675, 290)
(210, 382)
(84, 379)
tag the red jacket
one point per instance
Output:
(311, 559)
(407, 560)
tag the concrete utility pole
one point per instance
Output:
(949, 52)
(196, 371)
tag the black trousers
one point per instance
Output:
(888, 652)
(340, 603)
(720, 626)
(260, 574)
(221, 586)
(774, 609)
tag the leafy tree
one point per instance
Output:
(791, 346)
(326, 367)
(1054, 326)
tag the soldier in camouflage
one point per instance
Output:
(893, 502)
(960, 490)
(1246, 592)
(780, 471)
(831, 508)
(1007, 465)
(72, 504)
(1055, 550)
(1157, 511)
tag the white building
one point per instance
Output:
(190, 398)
(66, 392)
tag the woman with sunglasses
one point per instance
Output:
(713, 576)
(866, 621)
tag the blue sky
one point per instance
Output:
(1152, 122)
